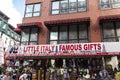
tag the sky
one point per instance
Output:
(14, 9)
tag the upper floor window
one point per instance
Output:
(29, 36)
(111, 31)
(68, 6)
(74, 33)
(32, 10)
(108, 4)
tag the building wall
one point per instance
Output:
(7, 34)
(93, 12)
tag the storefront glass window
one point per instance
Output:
(32, 10)
(73, 41)
(25, 35)
(29, 36)
(83, 31)
(33, 36)
(53, 42)
(69, 33)
(108, 29)
(83, 41)
(111, 31)
(54, 33)
(63, 42)
(73, 32)
(33, 43)
(63, 33)
(118, 28)
(68, 6)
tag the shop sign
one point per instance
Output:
(67, 49)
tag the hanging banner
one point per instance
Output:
(106, 48)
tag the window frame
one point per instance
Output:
(68, 40)
(116, 38)
(111, 3)
(33, 8)
(29, 37)
(68, 9)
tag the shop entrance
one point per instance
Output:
(61, 68)
(65, 68)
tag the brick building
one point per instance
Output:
(71, 23)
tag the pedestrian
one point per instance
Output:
(104, 75)
(23, 76)
(1, 76)
(8, 76)
(5, 76)
(73, 75)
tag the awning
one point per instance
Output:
(18, 30)
(32, 24)
(110, 17)
(76, 20)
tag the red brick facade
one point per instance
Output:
(93, 12)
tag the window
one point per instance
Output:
(66, 33)
(82, 5)
(64, 6)
(32, 10)
(63, 32)
(55, 8)
(68, 6)
(83, 33)
(29, 36)
(53, 35)
(108, 4)
(111, 31)
(72, 6)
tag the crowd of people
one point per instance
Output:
(27, 75)
(24, 75)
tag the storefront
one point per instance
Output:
(63, 61)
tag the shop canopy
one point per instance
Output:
(75, 20)
(65, 50)
(31, 24)
(109, 17)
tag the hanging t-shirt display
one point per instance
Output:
(47, 74)
(34, 75)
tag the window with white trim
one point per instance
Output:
(33, 10)
(68, 6)
(108, 4)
